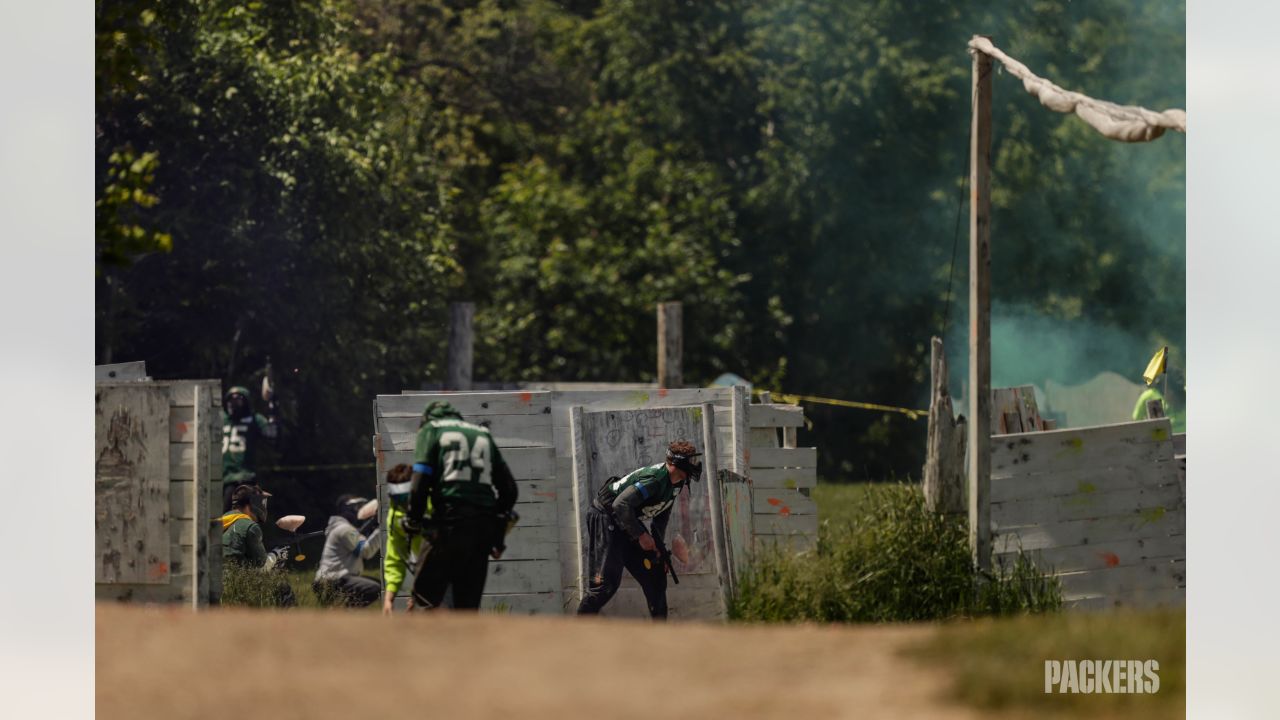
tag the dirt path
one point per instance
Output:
(170, 663)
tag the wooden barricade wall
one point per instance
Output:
(782, 479)
(158, 484)
(1102, 507)
(539, 572)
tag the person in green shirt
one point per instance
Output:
(243, 432)
(617, 537)
(241, 533)
(458, 467)
(402, 551)
(242, 548)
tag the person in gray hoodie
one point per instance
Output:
(342, 560)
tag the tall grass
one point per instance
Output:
(887, 558)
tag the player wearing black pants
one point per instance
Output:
(458, 465)
(617, 537)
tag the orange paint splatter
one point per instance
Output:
(662, 392)
(550, 494)
(785, 511)
(526, 397)
(1110, 558)
(158, 569)
(182, 429)
(774, 501)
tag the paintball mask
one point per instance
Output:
(349, 507)
(688, 463)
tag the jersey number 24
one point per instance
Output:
(459, 456)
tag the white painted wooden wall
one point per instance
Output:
(1100, 506)
(187, 449)
(538, 574)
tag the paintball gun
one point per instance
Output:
(665, 558)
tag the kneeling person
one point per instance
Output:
(342, 560)
(472, 491)
(617, 537)
(242, 546)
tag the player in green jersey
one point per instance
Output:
(472, 491)
(617, 537)
(243, 431)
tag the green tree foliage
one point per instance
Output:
(332, 172)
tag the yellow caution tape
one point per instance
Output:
(797, 399)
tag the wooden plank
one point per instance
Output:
(1084, 505)
(182, 458)
(1152, 575)
(1073, 482)
(711, 479)
(740, 413)
(131, 479)
(783, 479)
(1179, 444)
(540, 542)
(182, 392)
(523, 576)
(177, 592)
(525, 463)
(784, 458)
(1081, 448)
(537, 514)
(1096, 556)
(120, 372)
(736, 506)
(772, 524)
(1148, 598)
(777, 416)
(783, 502)
(181, 424)
(200, 501)
(507, 430)
(789, 543)
(467, 403)
(641, 399)
(1153, 523)
(522, 603)
(581, 493)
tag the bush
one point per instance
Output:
(252, 587)
(889, 560)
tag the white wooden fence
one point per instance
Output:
(1102, 507)
(158, 486)
(539, 573)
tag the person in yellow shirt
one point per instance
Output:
(403, 551)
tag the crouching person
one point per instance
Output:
(342, 560)
(242, 548)
(618, 539)
(403, 550)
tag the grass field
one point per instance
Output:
(998, 665)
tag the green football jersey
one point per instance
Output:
(461, 457)
(240, 440)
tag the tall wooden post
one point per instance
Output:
(670, 344)
(980, 314)
(461, 337)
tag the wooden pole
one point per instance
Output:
(670, 344)
(461, 337)
(980, 314)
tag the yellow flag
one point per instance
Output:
(1156, 366)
